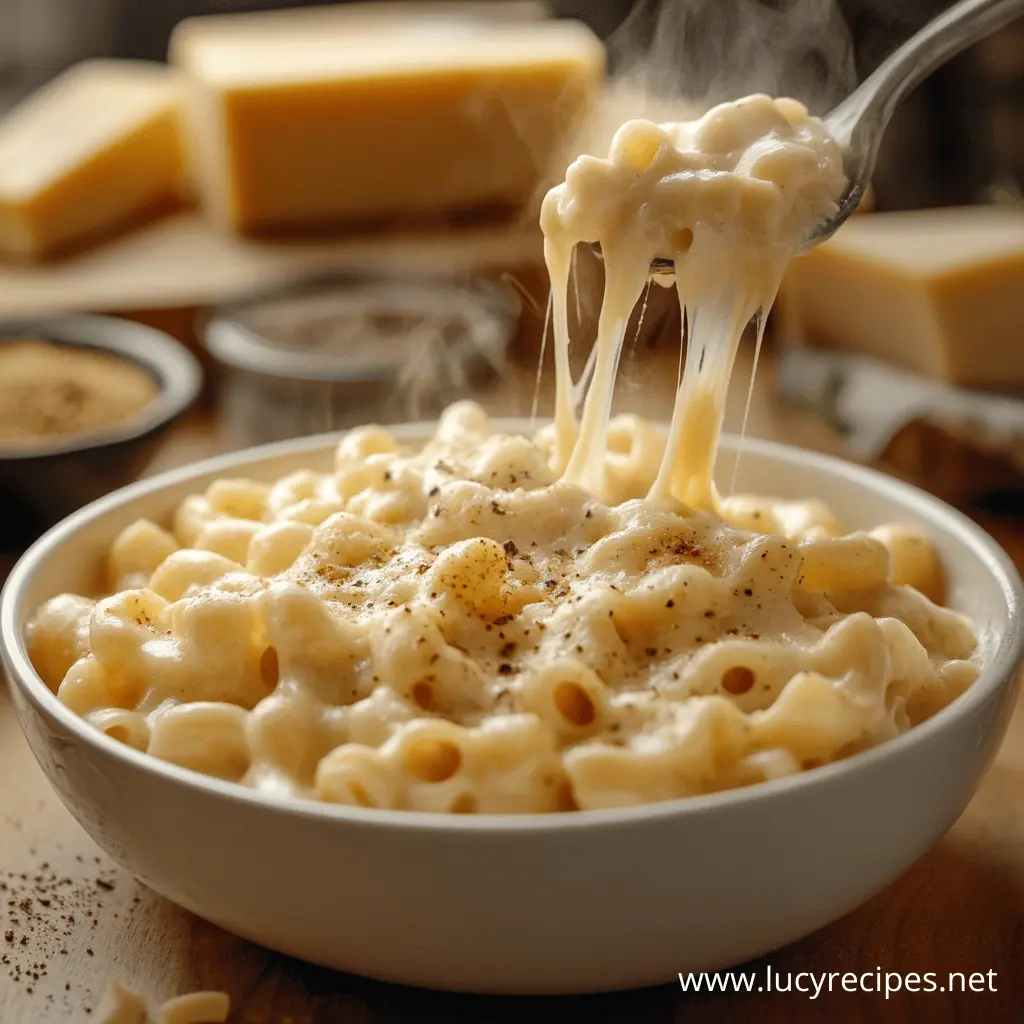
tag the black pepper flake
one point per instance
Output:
(650, 651)
(497, 509)
(433, 492)
(748, 592)
(510, 548)
(670, 603)
(505, 669)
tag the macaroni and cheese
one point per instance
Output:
(457, 629)
(727, 199)
(573, 621)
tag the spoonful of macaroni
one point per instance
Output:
(856, 125)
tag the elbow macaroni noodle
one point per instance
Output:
(122, 1005)
(458, 630)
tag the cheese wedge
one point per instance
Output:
(305, 119)
(97, 147)
(940, 292)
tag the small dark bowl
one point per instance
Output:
(42, 484)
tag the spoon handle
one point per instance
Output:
(858, 122)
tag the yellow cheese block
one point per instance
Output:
(97, 147)
(306, 119)
(940, 292)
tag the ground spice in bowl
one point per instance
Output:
(50, 390)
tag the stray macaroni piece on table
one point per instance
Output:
(121, 1005)
(458, 629)
(195, 1008)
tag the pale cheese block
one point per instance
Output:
(939, 292)
(305, 120)
(96, 148)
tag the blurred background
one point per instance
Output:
(327, 253)
(963, 130)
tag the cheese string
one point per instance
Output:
(727, 198)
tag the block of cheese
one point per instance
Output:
(940, 292)
(304, 120)
(97, 147)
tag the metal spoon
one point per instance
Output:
(858, 122)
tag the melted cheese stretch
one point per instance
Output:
(728, 198)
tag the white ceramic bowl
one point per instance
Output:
(539, 904)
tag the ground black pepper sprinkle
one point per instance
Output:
(46, 914)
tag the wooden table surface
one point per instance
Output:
(76, 920)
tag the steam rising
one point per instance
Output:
(709, 51)
(673, 59)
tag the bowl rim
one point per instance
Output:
(177, 372)
(999, 672)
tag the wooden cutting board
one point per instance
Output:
(180, 261)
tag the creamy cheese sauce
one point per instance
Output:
(728, 198)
